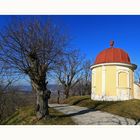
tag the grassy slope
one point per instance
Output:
(129, 109)
(26, 116)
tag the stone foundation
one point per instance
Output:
(110, 98)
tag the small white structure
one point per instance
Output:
(113, 76)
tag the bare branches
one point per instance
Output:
(33, 48)
(69, 71)
(137, 76)
(20, 40)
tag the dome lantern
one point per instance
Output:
(111, 43)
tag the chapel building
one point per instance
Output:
(113, 76)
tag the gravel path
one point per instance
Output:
(85, 116)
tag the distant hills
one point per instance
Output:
(28, 88)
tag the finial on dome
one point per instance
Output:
(111, 43)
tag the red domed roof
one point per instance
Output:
(112, 55)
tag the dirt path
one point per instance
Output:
(85, 116)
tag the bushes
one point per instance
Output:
(10, 102)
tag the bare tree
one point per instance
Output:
(7, 103)
(68, 72)
(87, 77)
(83, 87)
(33, 48)
(137, 76)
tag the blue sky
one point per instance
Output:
(91, 34)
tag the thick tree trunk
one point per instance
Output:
(67, 96)
(66, 92)
(42, 105)
(41, 101)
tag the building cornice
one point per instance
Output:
(132, 66)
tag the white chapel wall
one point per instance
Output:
(136, 91)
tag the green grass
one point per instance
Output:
(26, 116)
(128, 109)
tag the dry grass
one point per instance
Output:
(26, 116)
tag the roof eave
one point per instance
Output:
(132, 66)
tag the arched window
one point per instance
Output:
(123, 79)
